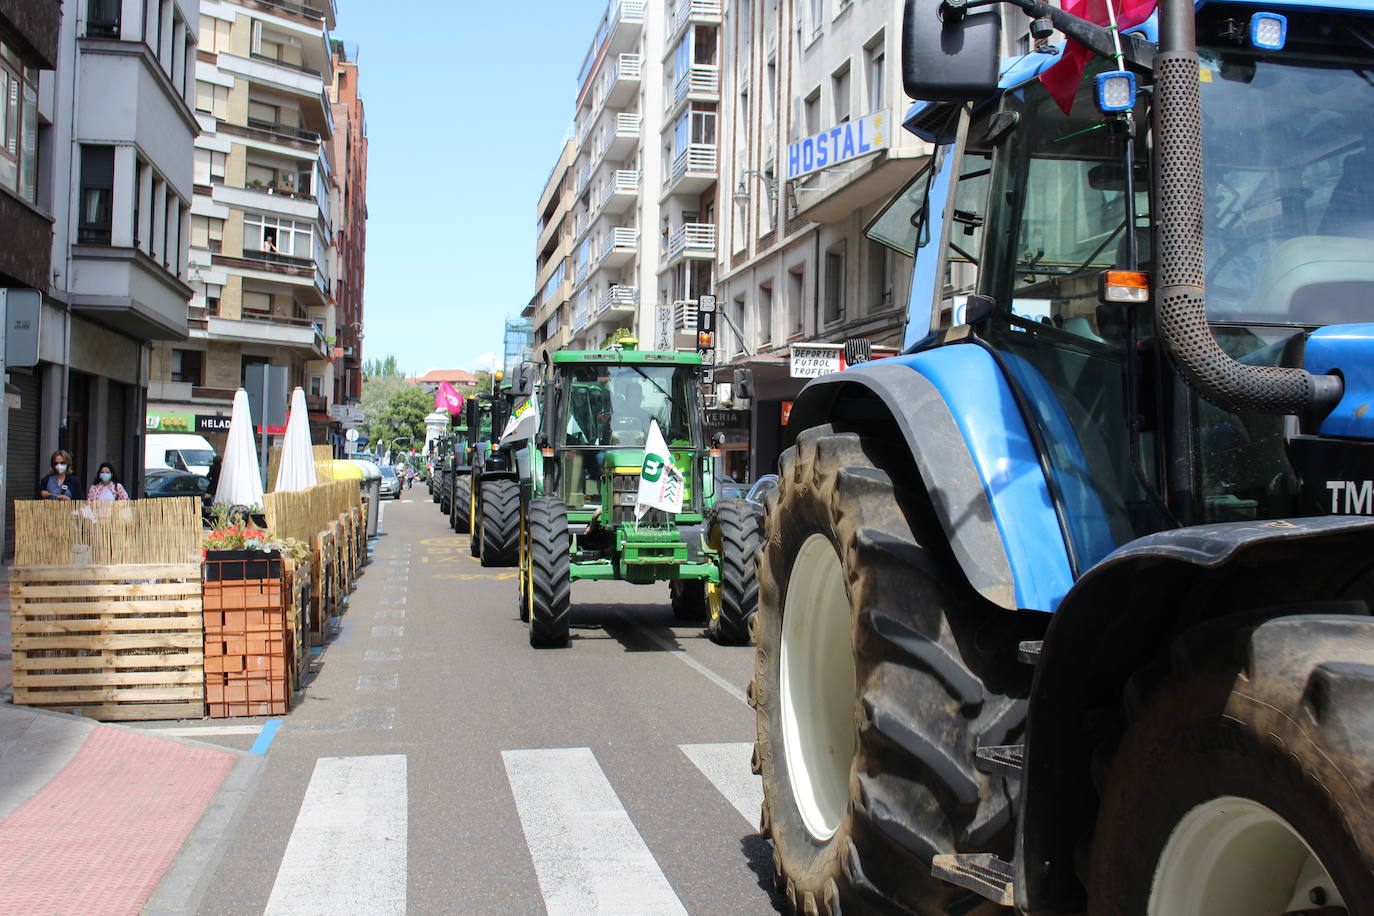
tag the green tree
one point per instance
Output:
(404, 415)
(382, 368)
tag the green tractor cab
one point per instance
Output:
(580, 515)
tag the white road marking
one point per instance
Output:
(728, 768)
(588, 855)
(391, 613)
(390, 654)
(388, 631)
(347, 852)
(682, 656)
(207, 730)
(379, 681)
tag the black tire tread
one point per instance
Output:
(741, 535)
(500, 522)
(458, 511)
(548, 543)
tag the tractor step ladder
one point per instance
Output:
(981, 872)
(1004, 760)
(1029, 651)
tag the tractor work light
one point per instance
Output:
(1115, 91)
(1268, 31)
(1128, 286)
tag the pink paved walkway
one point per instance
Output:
(99, 836)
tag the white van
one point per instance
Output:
(179, 451)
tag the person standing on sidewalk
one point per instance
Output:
(62, 483)
(107, 486)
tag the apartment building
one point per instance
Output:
(264, 226)
(350, 203)
(642, 167)
(95, 167)
(548, 310)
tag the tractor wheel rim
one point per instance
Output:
(1235, 857)
(817, 687)
(713, 599)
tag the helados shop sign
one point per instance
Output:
(838, 144)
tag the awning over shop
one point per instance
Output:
(836, 193)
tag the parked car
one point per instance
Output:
(761, 488)
(391, 482)
(167, 482)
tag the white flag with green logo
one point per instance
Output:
(660, 482)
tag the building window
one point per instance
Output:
(796, 303)
(811, 113)
(212, 294)
(18, 125)
(97, 195)
(207, 233)
(257, 304)
(317, 386)
(765, 315)
(214, 34)
(817, 16)
(736, 321)
(839, 85)
(209, 167)
(875, 63)
(834, 283)
(102, 18)
(879, 276)
(188, 366)
(271, 235)
(212, 99)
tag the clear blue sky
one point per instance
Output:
(467, 107)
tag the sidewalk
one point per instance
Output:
(92, 816)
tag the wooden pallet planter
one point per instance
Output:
(115, 643)
(322, 594)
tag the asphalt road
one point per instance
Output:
(438, 764)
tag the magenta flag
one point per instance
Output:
(448, 398)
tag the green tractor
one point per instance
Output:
(579, 517)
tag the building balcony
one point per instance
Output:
(693, 12)
(618, 300)
(264, 199)
(690, 240)
(277, 330)
(618, 193)
(626, 23)
(272, 73)
(693, 171)
(320, 12)
(622, 135)
(622, 80)
(618, 247)
(284, 130)
(304, 274)
(124, 288)
(701, 83)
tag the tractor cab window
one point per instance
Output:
(1289, 176)
(613, 405)
(1056, 218)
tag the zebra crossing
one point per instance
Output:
(347, 851)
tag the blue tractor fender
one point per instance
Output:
(957, 415)
(1122, 617)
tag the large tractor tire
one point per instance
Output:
(445, 485)
(459, 511)
(689, 599)
(737, 534)
(1242, 783)
(548, 587)
(878, 675)
(500, 522)
(475, 518)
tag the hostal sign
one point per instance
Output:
(838, 144)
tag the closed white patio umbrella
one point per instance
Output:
(240, 480)
(297, 468)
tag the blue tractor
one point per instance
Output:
(1067, 608)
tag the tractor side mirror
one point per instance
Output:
(949, 53)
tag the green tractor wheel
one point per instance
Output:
(500, 522)
(548, 587)
(689, 599)
(459, 511)
(735, 532)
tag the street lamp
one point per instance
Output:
(770, 186)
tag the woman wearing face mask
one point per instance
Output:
(107, 485)
(61, 484)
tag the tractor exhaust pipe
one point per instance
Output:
(1180, 297)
